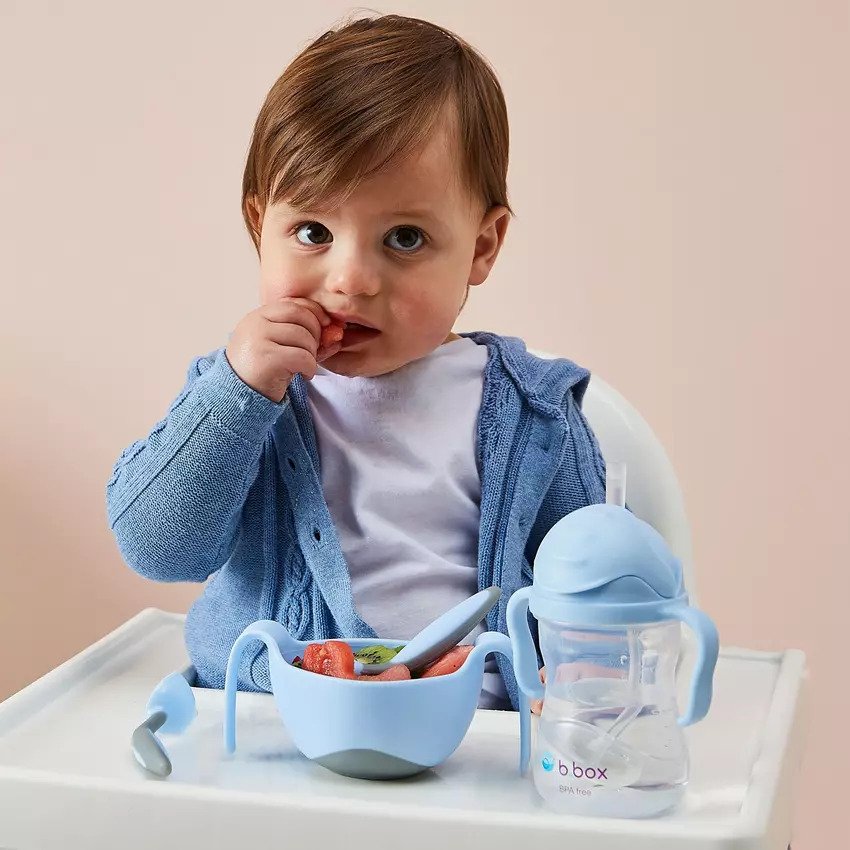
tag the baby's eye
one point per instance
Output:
(405, 238)
(313, 233)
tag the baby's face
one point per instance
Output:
(393, 261)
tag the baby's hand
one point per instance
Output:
(278, 340)
(537, 705)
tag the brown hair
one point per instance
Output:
(364, 95)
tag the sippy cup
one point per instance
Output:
(609, 600)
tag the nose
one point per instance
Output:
(354, 273)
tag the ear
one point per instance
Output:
(254, 212)
(491, 235)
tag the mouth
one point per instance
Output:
(351, 320)
(355, 332)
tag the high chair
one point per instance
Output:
(68, 779)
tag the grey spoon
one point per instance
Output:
(440, 635)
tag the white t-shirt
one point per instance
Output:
(399, 472)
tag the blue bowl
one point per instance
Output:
(364, 729)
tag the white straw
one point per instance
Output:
(615, 483)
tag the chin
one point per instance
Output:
(354, 365)
(362, 363)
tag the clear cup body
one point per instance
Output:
(608, 741)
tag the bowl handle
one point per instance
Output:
(277, 640)
(497, 642)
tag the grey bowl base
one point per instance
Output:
(369, 764)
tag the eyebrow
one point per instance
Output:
(414, 213)
(286, 209)
(406, 213)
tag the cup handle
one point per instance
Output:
(525, 655)
(708, 643)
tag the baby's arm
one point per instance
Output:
(175, 498)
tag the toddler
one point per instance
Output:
(347, 465)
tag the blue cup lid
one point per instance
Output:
(601, 565)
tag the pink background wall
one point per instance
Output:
(681, 180)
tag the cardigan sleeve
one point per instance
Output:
(175, 497)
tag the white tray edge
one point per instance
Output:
(768, 806)
(76, 669)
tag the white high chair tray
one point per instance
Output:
(68, 778)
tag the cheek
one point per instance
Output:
(431, 302)
(280, 277)
(270, 289)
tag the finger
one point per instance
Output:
(292, 312)
(537, 706)
(301, 362)
(314, 307)
(308, 371)
(293, 336)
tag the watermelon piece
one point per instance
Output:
(449, 662)
(331, 335)
(396, 673)
(331, 658)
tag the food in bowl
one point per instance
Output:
(336, 658)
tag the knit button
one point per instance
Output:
(291, 463)
(317, 534)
